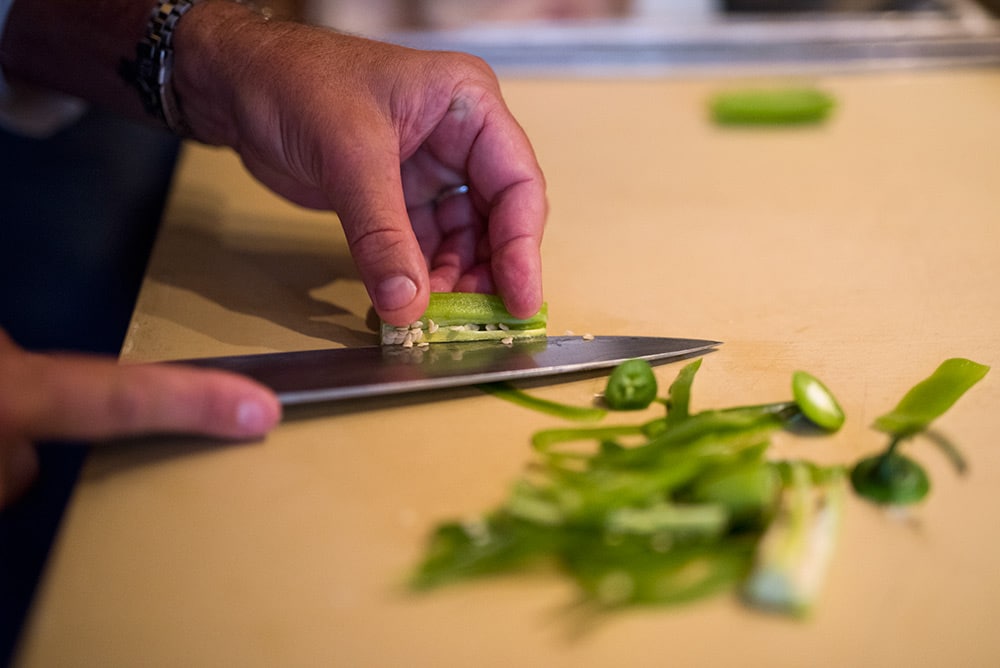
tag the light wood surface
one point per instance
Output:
(866, 251)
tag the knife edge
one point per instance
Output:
(334, 374)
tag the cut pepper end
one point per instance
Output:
(466, 316)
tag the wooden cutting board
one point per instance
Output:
(865, 250)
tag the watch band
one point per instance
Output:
(152, 70)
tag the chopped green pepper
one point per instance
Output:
(749, 490)
(631, 386)
(466, 316)
(663, 511)
(508, 392)
(494, 544)
(679, 394)
(816, 402)
(892, 478)
(638, 571)
(931, 397)
(688, 504)
(794, 553)
(778, 106)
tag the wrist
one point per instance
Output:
(152, 71)
(211, 55)
(185, 60)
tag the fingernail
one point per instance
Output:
(395, 293)
(252, 417)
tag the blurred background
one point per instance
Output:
(667, 35)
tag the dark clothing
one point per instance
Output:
(78, 215)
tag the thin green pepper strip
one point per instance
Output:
(704, 519)
(508, 392)
(679, 394)
(931, 397)
(497, 543)
(543, 441)
(749, 490)
(673, 576)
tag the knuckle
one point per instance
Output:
(373, 244)
(459, 63)
(474, 65)
(462, 72)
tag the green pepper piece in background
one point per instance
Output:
(631, 386)
(816, 402)
(931, 397)
(778, 106)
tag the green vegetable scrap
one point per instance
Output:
(893, 478)
(508, 392)
(665, 511)
(778, 106)
(688, 504)
(631, 386)
(465, 316)
(792, 557)
(931, 398)
(816, 401)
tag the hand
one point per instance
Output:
(375, 132)
(46, 397)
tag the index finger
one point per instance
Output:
(79, 397)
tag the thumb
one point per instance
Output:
(382, 240)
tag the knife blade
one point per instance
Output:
(351, 373)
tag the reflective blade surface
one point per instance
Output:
(351, 373)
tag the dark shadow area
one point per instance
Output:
(78, 215)
(264, 278)
(27, 531)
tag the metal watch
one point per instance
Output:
(154, 64)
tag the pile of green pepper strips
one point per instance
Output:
(688, 504)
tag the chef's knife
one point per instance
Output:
(351, 373)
